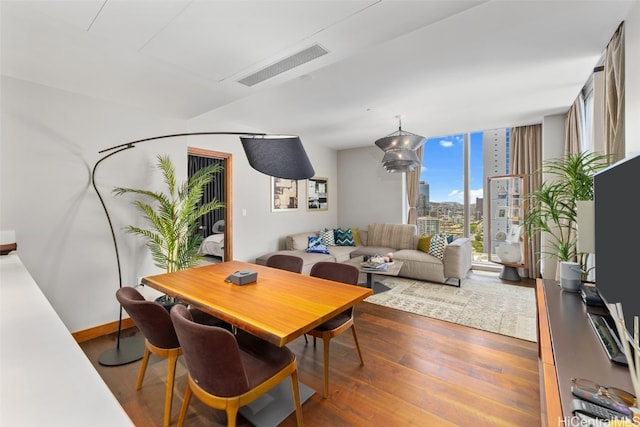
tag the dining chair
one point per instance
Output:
(286, 262)
(289, 263)
(154, 322)
(338, 272)
(227, 371)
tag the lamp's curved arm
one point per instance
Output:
(104, 207)
(176, 135)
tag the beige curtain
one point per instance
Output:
(526, 158)
(614, 96)
(573, 126)
(413, 184)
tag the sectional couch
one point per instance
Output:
(379, 239)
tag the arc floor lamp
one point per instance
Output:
(281, 156)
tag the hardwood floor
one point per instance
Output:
(418, 372)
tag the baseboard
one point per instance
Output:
(100, 330)
(486, 267)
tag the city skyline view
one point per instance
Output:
(442, 168)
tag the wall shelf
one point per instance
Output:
(507, 241)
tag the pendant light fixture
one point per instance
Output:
(400, 150)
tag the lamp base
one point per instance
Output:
(510, 273)
(129, 350)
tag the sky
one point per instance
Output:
(442, 161)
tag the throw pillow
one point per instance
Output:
(450, 238)
(344, 237)
(438, 243)
(316, 245)
(356, 237)
(424, 243)
(327, 235)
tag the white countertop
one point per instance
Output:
(45, 377)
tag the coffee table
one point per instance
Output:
(393, 269)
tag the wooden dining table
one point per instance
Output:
(278, 307)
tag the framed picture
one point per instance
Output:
(317, 194)
(515, 233)
(284, 194)
(501, 212)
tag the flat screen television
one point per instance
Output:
(617, 236)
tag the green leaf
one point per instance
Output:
(552, 208)
(172, 218)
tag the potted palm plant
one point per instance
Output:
(552, 208)
(172, 218)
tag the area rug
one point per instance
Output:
(494, 307)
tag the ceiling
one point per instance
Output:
(444, 66)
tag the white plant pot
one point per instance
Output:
(570, 276)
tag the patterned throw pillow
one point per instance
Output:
(316, 245)
(356, 237)
(344, 237)
(438, 243)
(424, 243)
(327, 235)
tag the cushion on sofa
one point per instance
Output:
(371, 250)
(299, 241)
(344, 237)
(424, 242)
(317, 245)
(341, 253)
(398, 236)
(327, 235)
(437, 245)
(420, 265)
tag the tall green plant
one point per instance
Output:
(552, 208)
(172, 218)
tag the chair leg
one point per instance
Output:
(185, 405)
(355, 338)
(232, 412)
(143, 368)
(172, 359)
(295, 388)
(326, 341)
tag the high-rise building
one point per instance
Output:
(428, 226)
(479, 208)
(422, 208)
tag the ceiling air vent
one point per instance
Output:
(286, 64)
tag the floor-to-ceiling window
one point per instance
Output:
(452, 184)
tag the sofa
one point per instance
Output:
(379, 239)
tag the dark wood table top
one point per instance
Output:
(279, 307)
(576, 348)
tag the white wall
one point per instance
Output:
(632, 81)
(368, 193)
(50, 143)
